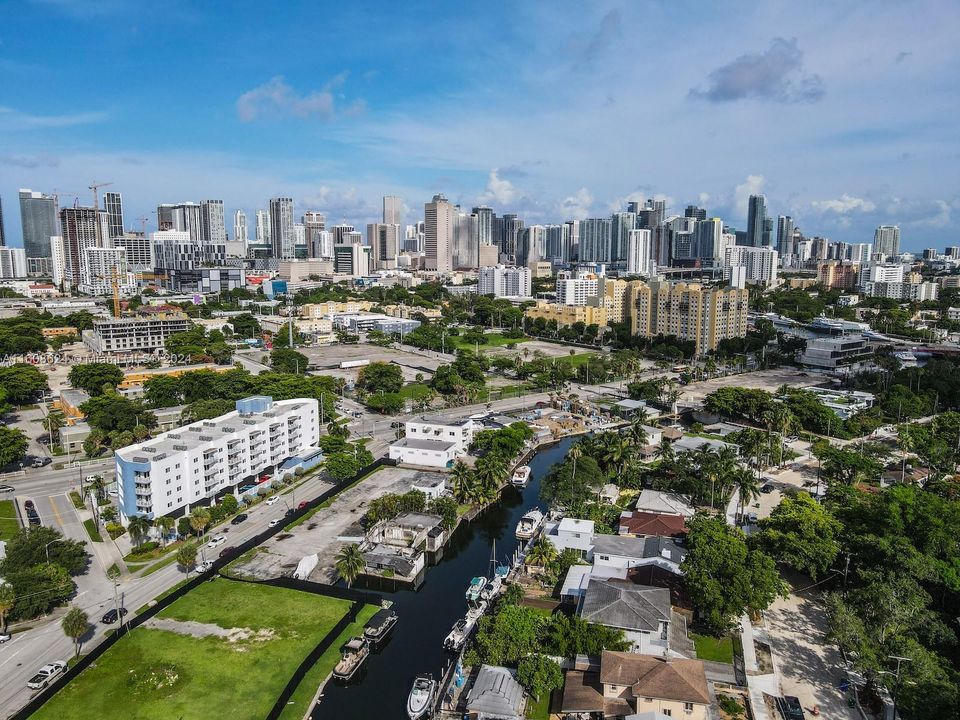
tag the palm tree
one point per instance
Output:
(75, 624)
(52, 423)
(138, 528)
(8, 599)
(165, 525)
(576, 452)
(462, 479)
(199, 519)
(95, 486)
(747, 487)
(638, 433)
(350, 563)
(541, 554)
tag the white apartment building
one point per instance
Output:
(145, 333)
(432, 441)
(578, 290)
(640, 253)
(205, 460)
(759, 265)
(100, 267)
(13, 263)
(503, 281)
(883, 273)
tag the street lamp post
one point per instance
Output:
(46, 548)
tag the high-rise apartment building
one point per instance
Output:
(175, 250)
(484, 225)
(785, 228)
(572, 251)
(38, 219)
(697, 213)
(113, 204)
(690, 311)
(557, 243)
(13, 263)
(314, 223)
(595, 240)
(502, 281)
(263, 228)
(759, 265)
(886, 240)
(240, 233)
(351, 259)
(756, 220)
(438, 234)
(282, 234)
(709, 241)
(384, 242)
(577, 290)
(392, 210)
(186, 217)
(639, 253)
(82, 227)
(101, 267)
(620, 225)
(138, 248)
(213, 232)
(466, 249)
(3, 233)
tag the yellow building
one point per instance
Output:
(797, 283)
(135, 378)
(314, 311)
(408, 311)
(568, 314)
(50, 332)
(689, 311)
(838, 273)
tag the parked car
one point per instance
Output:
(6, 488)
(752, 518)
(28, 504)
(289, 512)
(767, 489)
(239, 519)
(216, 541)
(273, 500)
(274, 522)
(41, 462)
(111, 616)
(45, 674)
(4, 637)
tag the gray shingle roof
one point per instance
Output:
(495, 693)
(625, 606)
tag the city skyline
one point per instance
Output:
(551, 133)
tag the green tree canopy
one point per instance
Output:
(800, 533)
(22, 382)
(380, 377)
(92, 377)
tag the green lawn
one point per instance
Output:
(92, 531)
(711, 648)
(493, 340)
(415, 391)
(155, 673)
(299, 702)
(539, 710)
(8, 520)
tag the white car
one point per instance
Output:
(216, 541)
(274, 522)
(4, 637)
(273, 500)
(202, 567)
(45, 674)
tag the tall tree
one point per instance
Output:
(92, 377)
(8, 598)
(800, 533)
(75, 624)
(350, 563)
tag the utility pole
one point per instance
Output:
(846, 571)
(896, 688)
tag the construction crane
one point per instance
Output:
(96, 186)
(115, 287)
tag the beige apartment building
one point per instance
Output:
(568, 314)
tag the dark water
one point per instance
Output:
(427, 615)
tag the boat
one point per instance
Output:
(420, 699)
(521, 476)
(529, 524)
(461, 630)
(355, 653)
(379, 627)
(493, 588)
(475, 588)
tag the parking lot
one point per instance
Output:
(328, 358)
(323, 533)
(768, 380)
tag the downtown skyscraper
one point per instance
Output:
(38, 218)
(886, 240)
(756, 220)
(438, 234)
(282, 234)
(113, 204)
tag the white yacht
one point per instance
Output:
(461, 630)
(420, 700)
(529, 524)
(521, 476)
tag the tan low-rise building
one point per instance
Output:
(568, 314)
(333, 307)
(408, 311)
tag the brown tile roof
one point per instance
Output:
(649, 676)
(582, 692)
(644, 523)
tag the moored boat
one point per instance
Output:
(475, 588)
(379, 627)
(355, 653)
(521, 476)
(529, 524)
(462, 629)
(420, 699)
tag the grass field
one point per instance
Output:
(302, 697)
(415, 391)
(8, 520)
(493, 340)
(539, 710)
(711, 648)
(155, 673)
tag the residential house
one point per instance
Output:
(663, 503)
(572, 533)
(643, 613)
(648, 524)
(640, 683)
(495, 695)
(432, 441)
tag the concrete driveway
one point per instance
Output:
(810, 666)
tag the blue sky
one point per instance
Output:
(845, 114)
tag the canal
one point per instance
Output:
(426, 616)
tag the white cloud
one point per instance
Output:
(15, 119)
(276, 99)
(498, 190)
(753, 185)
(576, 206)
(843, 205)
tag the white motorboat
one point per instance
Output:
(529, 524)
(475, 588)
(462, 629)
(355, 653)
(495, 586)
(521, 476)
(420, 699)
